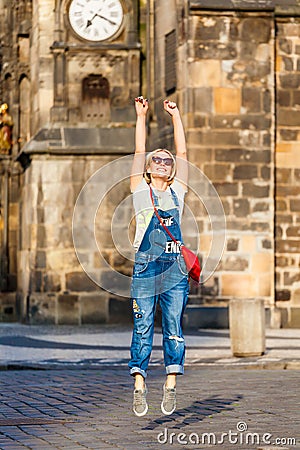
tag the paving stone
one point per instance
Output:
(91, 408)
(210, 400)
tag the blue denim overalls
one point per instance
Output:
(159, 274)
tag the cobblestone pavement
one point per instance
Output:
(72, 391)
(91, 409)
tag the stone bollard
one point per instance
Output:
(247, 327)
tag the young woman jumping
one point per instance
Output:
(158, 180)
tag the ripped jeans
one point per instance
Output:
(162, 279)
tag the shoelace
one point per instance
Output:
(170, 393)
(139, 398)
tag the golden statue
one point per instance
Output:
(6, 125)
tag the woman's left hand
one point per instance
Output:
(171, 108)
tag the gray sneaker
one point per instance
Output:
(168, 405)
(140, 406)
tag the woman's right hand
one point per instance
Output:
(141, 106)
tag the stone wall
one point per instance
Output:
(230, 137)
(238, 77)
(73, 104)
(288, 170)
(53, 288)
(237, 85)
(225, 90)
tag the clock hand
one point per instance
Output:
(105, 18)
(90, 21)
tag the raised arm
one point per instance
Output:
(180, 142)
(141, 107)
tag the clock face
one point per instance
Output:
(95, 20)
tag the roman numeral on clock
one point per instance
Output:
(80, 23)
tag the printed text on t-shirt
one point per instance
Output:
(168, 221)
(172, 247)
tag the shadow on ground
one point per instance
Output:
(197, 412)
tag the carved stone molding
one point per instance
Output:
(99, 60)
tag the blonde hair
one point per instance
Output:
(147, 175)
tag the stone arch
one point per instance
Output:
(24, 112)
(95, 99)
(8, 89)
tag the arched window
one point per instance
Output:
(95, 99)
(24, 133)
(8, 89)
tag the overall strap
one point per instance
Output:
(154, 198)
(160, 219)
(175, 198)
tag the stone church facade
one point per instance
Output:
(234, 69)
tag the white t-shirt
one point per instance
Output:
(143, 207)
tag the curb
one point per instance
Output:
(268, 365)
(239, 365)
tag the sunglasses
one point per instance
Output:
(159, 160)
